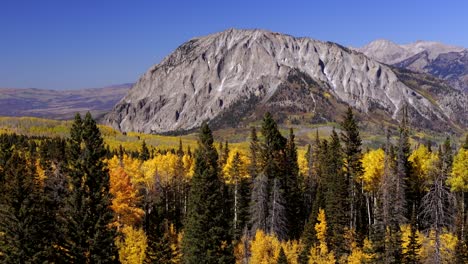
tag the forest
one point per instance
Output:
(74, 199)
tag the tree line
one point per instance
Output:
(74, 200)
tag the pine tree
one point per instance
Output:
(254, 153)
(22, 233)
(282, 257)
(412, 252)
(353, 170)
(89, 239)
(144, 152)
(336, 195)
(159, 246)
(206, 238)
(53, 195)
(293, 194)
(407, 191)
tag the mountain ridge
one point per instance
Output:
(206, 76)
(60, 104)
(447, 62)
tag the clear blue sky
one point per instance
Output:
(69, 44)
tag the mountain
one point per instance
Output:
(446, 62)
(232, 77)
(59, 104)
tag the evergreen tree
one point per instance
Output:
(21, 232)
(53, 196)
(293, 194)
(159, 246)
(144, 152)
(336, 195)
(353, 170)
(206, 238)
(89, 237)
(254, 153)
(282, 257)
(412, 252)
(409, 195)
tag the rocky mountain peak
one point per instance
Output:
(238, 72)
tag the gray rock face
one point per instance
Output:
(209, 76)
(446, 62)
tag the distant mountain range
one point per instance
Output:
(230, 78)
(446, 62)
(60, 104)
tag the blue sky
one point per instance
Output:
(69, 44)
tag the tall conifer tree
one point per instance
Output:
(89, 237)
(206, 238)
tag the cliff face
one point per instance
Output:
(236, 72)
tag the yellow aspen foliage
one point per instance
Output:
(422, 160)
(373, 164)
(405, 237)
(303, 164)
(458, 179)
(132, 167)
(125, 198)
(232, 174)
(41, 176)
(448, 242)
(132, 246)
(292, 250)
(189, 166)
(319, 254)
(264, 248)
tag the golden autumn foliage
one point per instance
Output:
(422, 161)
(458, 179)
(264, 248)
(405, 237)
(373, 164)
(132, 246)
(448, 243)
(302, 163)
(292, 249)
(319, 254)
(233, 172)
(125, 198)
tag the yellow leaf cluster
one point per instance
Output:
(447, 249)
(422, 160)
(319, 254)
(132, 247)
(373, 164)
(233, 172)
(458, 179)
(125, 198)
(264, 248)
